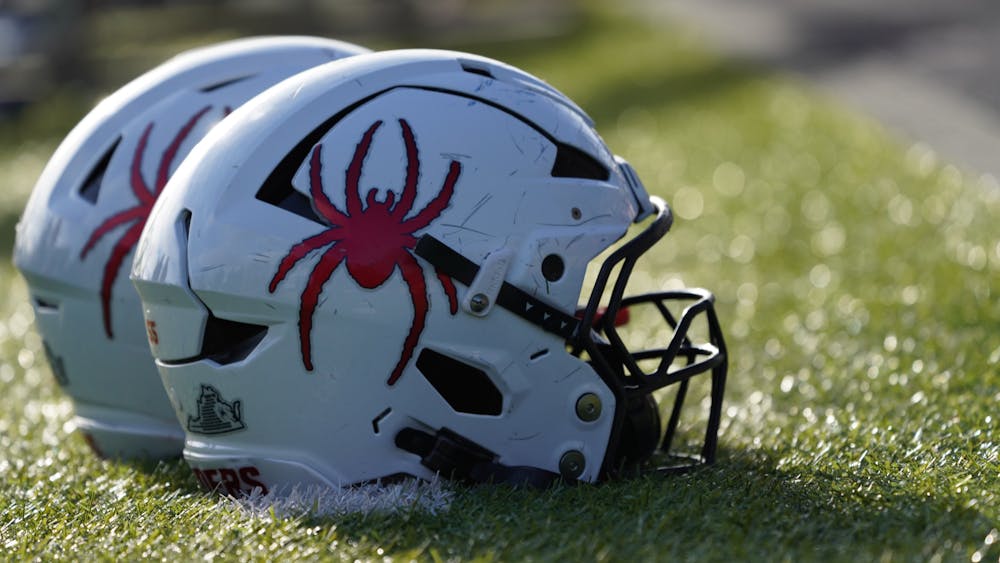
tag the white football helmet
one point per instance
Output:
(373, 270)
(76, 237)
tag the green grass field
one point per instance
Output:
(859, 283)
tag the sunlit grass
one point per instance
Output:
(859, 282)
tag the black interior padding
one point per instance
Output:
(227, 342)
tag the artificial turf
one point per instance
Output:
(858, 280)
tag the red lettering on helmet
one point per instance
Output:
(202, 481)
(87, 437)
(210, 482)
(151, 334)
(231, 481)
(247, 475)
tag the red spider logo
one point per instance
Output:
(136, 215)
(372, 240)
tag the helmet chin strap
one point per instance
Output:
(459, 458)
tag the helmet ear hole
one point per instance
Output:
(227, 342)
(640, 431)
(553, 267)
(466, 389)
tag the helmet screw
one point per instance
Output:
(588, 407)
(479, 302)
(571, 464)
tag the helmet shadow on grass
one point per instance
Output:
(744, 507)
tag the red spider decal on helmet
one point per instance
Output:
(137, 214)
(372, 240)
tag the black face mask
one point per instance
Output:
(636, 430)
(635, 434)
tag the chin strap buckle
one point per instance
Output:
(446, 452)
(459, 458)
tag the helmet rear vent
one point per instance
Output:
(467, 389)
(572, 162)
(91, 187)
(470, 66)
(228, 342)
(44, 304)
(539, 354)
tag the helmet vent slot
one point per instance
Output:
(572, 162)
(228, 342)
(44, 305)
(224, 83)
(381, 416)
(469, 66)
(277, 189)
(467, 389)
(91, 187)
(300, 205)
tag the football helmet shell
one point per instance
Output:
(76, 237)
(379, 261)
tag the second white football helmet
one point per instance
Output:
(76, 237)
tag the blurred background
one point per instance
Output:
(58, 58)
(97, 45)
(927, 69)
